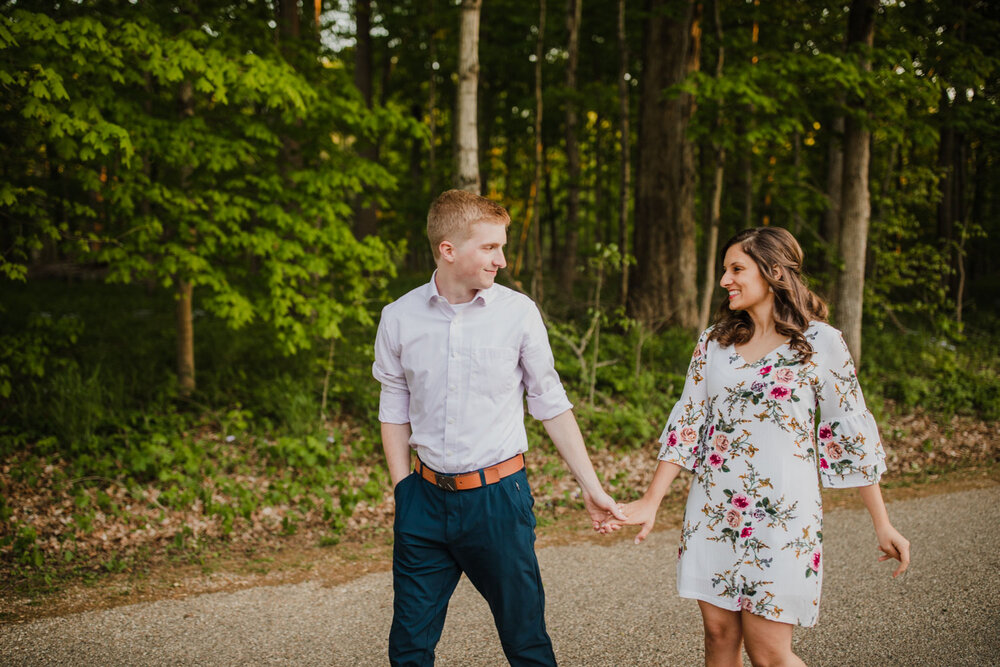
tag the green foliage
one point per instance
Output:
(921, 369)
(177, 155)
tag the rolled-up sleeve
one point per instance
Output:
(394, 401)
(545, 393)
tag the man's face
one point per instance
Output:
(479, 257)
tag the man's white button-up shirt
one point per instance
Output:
(458, 374)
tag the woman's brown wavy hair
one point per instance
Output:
(794, 303)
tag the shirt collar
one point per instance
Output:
(484, 295)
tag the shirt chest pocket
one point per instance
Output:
(494, 371)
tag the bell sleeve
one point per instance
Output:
(688, 420)
(850, 450)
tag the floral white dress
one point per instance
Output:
(753, 528)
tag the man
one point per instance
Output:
(454, 358)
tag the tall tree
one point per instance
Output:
(574, 13)
(665, 289)
(713, 211)
(624, 177)
(365, 215)
(466, 126)
(834, 184)
(537, 285)
(856, 199)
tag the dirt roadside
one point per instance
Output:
(371, 552)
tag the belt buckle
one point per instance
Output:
(445, 482)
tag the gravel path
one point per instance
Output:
(609, 604)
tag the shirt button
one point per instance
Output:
(451, 420)
(451, 387)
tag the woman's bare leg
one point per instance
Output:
(723, 636)
(769, 643)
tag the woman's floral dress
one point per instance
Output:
(752, 537)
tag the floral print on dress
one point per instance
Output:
(761, 438)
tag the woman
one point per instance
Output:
(745, 424)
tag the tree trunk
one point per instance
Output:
(466, 131)
(748, 185)
(665, 289)
(625, 175)
(533, 217)
(432, 109)
(714, 209)
(598, 231)
(746, 126)
(288, 22)
(834, 186)
(365, 216)
(574, 11)
(856, 202)
(185, 339)
(184, 319)
(797, 220)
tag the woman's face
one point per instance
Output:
(743, 280)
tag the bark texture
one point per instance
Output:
(856, 201)
(664, 290)
(625, 173)
(572, 235)
(714, 209)
(466, 130)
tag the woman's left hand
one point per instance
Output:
(892, 544)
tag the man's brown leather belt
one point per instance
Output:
(471, 480)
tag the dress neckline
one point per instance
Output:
(761, 358)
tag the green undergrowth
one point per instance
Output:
(88, 414)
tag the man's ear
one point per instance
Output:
(447, 251)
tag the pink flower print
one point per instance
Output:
(764, 371)
(823, 464)
(825, 432)
(688, 435)
(715, 460)
(780, 392)
(699, 350)
(784, 375)
(740, 500)
(746, 532)
(834, 450)
(672, 439)
(814, 560)
(746, 604)
(721, 443)
(734, 518)
(711, 430)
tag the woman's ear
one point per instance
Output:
(776, 271)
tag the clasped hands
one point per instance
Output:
(608, 516)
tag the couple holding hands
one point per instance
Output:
(456, 357)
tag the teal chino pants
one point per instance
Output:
(489, 534)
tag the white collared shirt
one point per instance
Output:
(457, 376)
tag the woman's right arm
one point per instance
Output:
(642, 512)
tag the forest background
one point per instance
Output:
(205, 205)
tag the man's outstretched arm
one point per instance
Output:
(565, 433)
